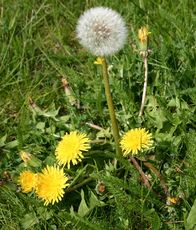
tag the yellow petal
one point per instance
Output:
(99, 61)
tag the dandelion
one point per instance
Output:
(28, 181)
(136, 140)
(50, 185)
(99, 61)
(25, 156)
(70, 148)
(143, 34)
(102, 31)
(172, 200)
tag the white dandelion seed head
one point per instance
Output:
(102, 31)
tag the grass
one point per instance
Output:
(38, 48)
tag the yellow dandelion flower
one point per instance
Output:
(143, 34)
(70, 148)
(50, 184)
(27, 181)
(136, 140)
(99, 61)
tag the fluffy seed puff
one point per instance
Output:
(102, 31)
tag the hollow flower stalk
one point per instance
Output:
(143, 36)
(103, 32)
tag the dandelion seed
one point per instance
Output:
(102, 31)
(136, 140)
(28, 181)
(70, 148)
(50, 185)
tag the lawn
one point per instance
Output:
(51, 87)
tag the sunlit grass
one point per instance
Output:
(38, 47)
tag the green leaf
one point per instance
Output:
(191, 220)
(72, 213)
(64, 118)
(50, 160)
(44, 213)
(153, 219)
(83, 208)
(41, 126)
(2, 140)
(158, 117)
(11, 144)
(51, 114)
(35, 162)
(80, 172)
(29, 220)
(94, 201)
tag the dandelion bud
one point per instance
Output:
(102, 31)
(25, 156)
(143, 35)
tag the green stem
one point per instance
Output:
(145, 57)
(115, 129)
(143, 176)
(86, 181)
(161, 178)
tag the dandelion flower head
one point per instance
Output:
(136, 140)
(50, 185)
(28, 181)
(70, 148)
(102, 31)
(99, 61)
(143, 34)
